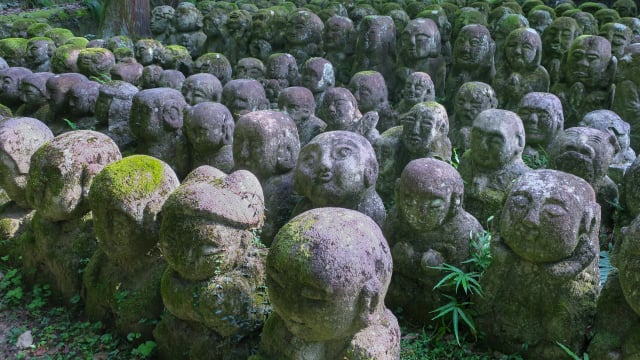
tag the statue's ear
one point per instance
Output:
(590, 219)
(370, 301)
(455, 205)
(612, 68)
(172, 117)
(88, 173)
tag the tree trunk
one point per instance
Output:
(126, 17)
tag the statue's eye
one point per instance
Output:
(343, 153)
(554, 210)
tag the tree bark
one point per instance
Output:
(126, 17)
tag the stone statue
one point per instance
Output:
(587, 153)
(418, 87)
(10, 91)
(493, 162)
(472, 98)
(177, 57)
(304, 35)
(327, 273)
(39, 53)
(250, 68)
(201, 87)
(281, 72)
(546, 261)
(473, 53)
(216, 64)
(113, 108)
(209, 127)
(237, 34)
(619, 35)
(170, 78)
(187, 24)
(543, 120)
(339, 169)
(298, 103)
(520, 72)
(57, 87)
(556, 42)
(626, 101)
(147, 51)
(339, 43)
(625, 8)
(58, 184)
(370, 91)
(214, 287)
(150, 76)
(122, 279)
(426, 228)
(340, 111)
(376, 47)
(96, 62)
(161, 23)
(267, 144)
(318, 75)
(243, 96)
(156, 121)
(82, 98)
(214, 26)
(421, 51)
(589, 72)
(33, 93)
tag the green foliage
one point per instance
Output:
(145, 349)
(455, 159)
(96, 9)
(539, 161)
(101, 78)
(573, 355)
(456, 311)
(71, 124)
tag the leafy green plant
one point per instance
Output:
(101, 78)
(573, 355)
(71, 124)
(537, 161)
(455, 159)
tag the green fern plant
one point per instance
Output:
(573, 355)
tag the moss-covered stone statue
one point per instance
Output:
(340, 111)
(376, 47)
(61, 237)
(418, 87)
(427, 228)
(122, 279)
(96, 62)
(201, 87)
(318, 75)
(214, 287)
(34, 95)
(113, 107)
(243, 96)
(39, 53)
(327, 275)
(339, 40)
(556, 41)
(156, 121)
(542, 286)
(472, 98)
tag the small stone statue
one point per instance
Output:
(201, 87)
(376, 47)
(214, 26)
(370, 91)
(250, 68)
(237, 34)
(113, 108)
(282, 72)
(161, 23)
(418, 87)
(304, 35)
(556, 42)
(57, 87)
(242, 96)
(473, 53)
(58, 185)
(96, 62)
(339, 168)
(216, 64)
(298, 103)
(156, 123)
(214, 287)
(39, 53)
(589, 70)
(173, 79)
(340, 111)
(472, 98)
(619, 35)
(587, 153)
(82, 98)
(318, 75)
(520, 72)
(426, 228)
(493, 162)
(33, 92)
(209, 127)
(267, 144)
(339, 43)
(10, 91)
(543, 120)
(327, 273)
(122, 279)
(147, 51)
(187, 23)
(545, 261)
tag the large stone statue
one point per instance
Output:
(376, 47)
(304, 35)
(58, 185)
(418, 87)
(122, 279)
(214, 287)
(201, 87)
(340, 111)
(243, 96)
(542, 285)
(327, 273)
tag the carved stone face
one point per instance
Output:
(426, 191)
(497, 139)
(33, 89)
(242, 96)
(376, 33)
(214, 22)
(542, 218)
(588, 60)
(605, 16)
(302, 27)
(201, 87)
(161, 18)
(587, 22)
(418, 88)
(337, 33)
(421, 39)
(335, 168)
(584, 152)
(58, 86)
(317, 285)
(187, 18)
(626, 8)
(559, 36)
(539, 20)
(10, 80)
(369, 89)
(473, 46)
(250, 68)
(82, 98)
(607, 120)
(265, 143)
(317, 75)
(155, 112)
(208, 126)
(144, 51)
(339, 110)
(95, 62)
(297, 102)
(38, 52)
(541, 115)
(523, 50)
(473, 98)
(620, 36)
(423, 126)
